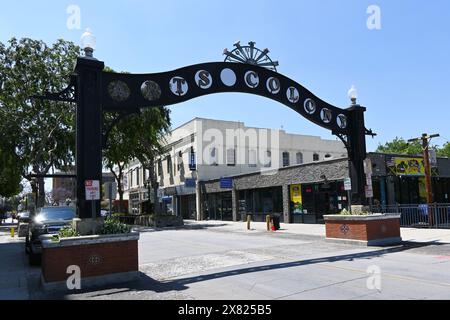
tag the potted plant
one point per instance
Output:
(107, 258)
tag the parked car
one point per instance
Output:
(23, 217)
(47, 220)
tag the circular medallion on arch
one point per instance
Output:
(251, 79)
(150, 90)
(293, 94)
(179, 86)
(228, 77)
(342, 121)
(310, 106)
(203, 79)
(326, 115)
(119, 91)
(273, 85)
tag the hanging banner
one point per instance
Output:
(296, 198)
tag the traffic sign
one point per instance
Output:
(369, 192)
(348, 184)
(368, 166)
(92, 190)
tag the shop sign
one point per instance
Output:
(190, 183)
(226, 183)
(407, 166)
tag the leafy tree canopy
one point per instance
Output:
(42, 132)
(401, 146)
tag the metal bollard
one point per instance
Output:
(249, 219)
(12, 232)
(268, 222)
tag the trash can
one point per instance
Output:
(276, 222)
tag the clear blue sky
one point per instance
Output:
(402, 71)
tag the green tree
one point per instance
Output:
(41, 131)
(10, 171)
(137, 136)
(445, 150)
(152, 126)
(400, 146)
(119, 150)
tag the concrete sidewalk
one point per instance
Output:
(316, 230)
(14, 269)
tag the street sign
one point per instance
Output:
(190, 183)
(111, 190)
(369, 192)
(433, 157)
(226, 183)
(92, 190)
(368, 166)
(369, 180)
(348, 184)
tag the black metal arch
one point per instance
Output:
(124, 91)
(96, 92)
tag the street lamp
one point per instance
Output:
(353, 94)
(88, 43)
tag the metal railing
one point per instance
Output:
(419, 215)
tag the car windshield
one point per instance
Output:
(57, 213)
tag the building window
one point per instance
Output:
(268, 160)
(299, 158)
(213, 154)
(252, 158)
(137, 177)
(231, 157)
(169, 164)
(131, 179)
(316, 157)
(286, 161)
(328, 156)
(160, 167)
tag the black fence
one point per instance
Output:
(419, 215)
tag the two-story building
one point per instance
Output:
(206, 149)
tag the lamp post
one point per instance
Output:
(353, 95)
(357, 147)
(88, 43)
(89, 125)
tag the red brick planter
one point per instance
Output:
(368, 230)
(102, 260)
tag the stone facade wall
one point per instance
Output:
(303, 174)
(333, 170)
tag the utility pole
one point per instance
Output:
(425, 139)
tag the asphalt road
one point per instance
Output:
(212, 264)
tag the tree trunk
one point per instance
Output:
(119, 179)
(41, 193)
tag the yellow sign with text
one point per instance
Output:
(296, 193)
(409, 166)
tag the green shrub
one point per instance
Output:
(68, 232)
(114, 226)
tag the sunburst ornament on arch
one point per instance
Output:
(250, 55)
